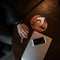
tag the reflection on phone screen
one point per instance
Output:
(39, 41)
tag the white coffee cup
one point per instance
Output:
(41, 19)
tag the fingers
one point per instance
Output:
(25, 36)
(23, 30)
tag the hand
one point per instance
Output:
(23, 30)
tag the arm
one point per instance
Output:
(12, 18)
(10, 13)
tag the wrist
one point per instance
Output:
(17, 23)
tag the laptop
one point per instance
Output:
(37, 47)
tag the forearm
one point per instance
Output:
(12, 16)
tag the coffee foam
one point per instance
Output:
(41, 19)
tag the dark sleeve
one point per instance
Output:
(11, 15)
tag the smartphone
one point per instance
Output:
(38, 41)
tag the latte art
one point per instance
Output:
(40, 21)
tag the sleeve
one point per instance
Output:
(12, 16)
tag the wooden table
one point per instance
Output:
(51, 10)
(17, 47)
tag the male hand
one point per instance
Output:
(23, 30)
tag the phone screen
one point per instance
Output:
(39, 41)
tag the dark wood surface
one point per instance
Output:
(18, 47)
(51, 10)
